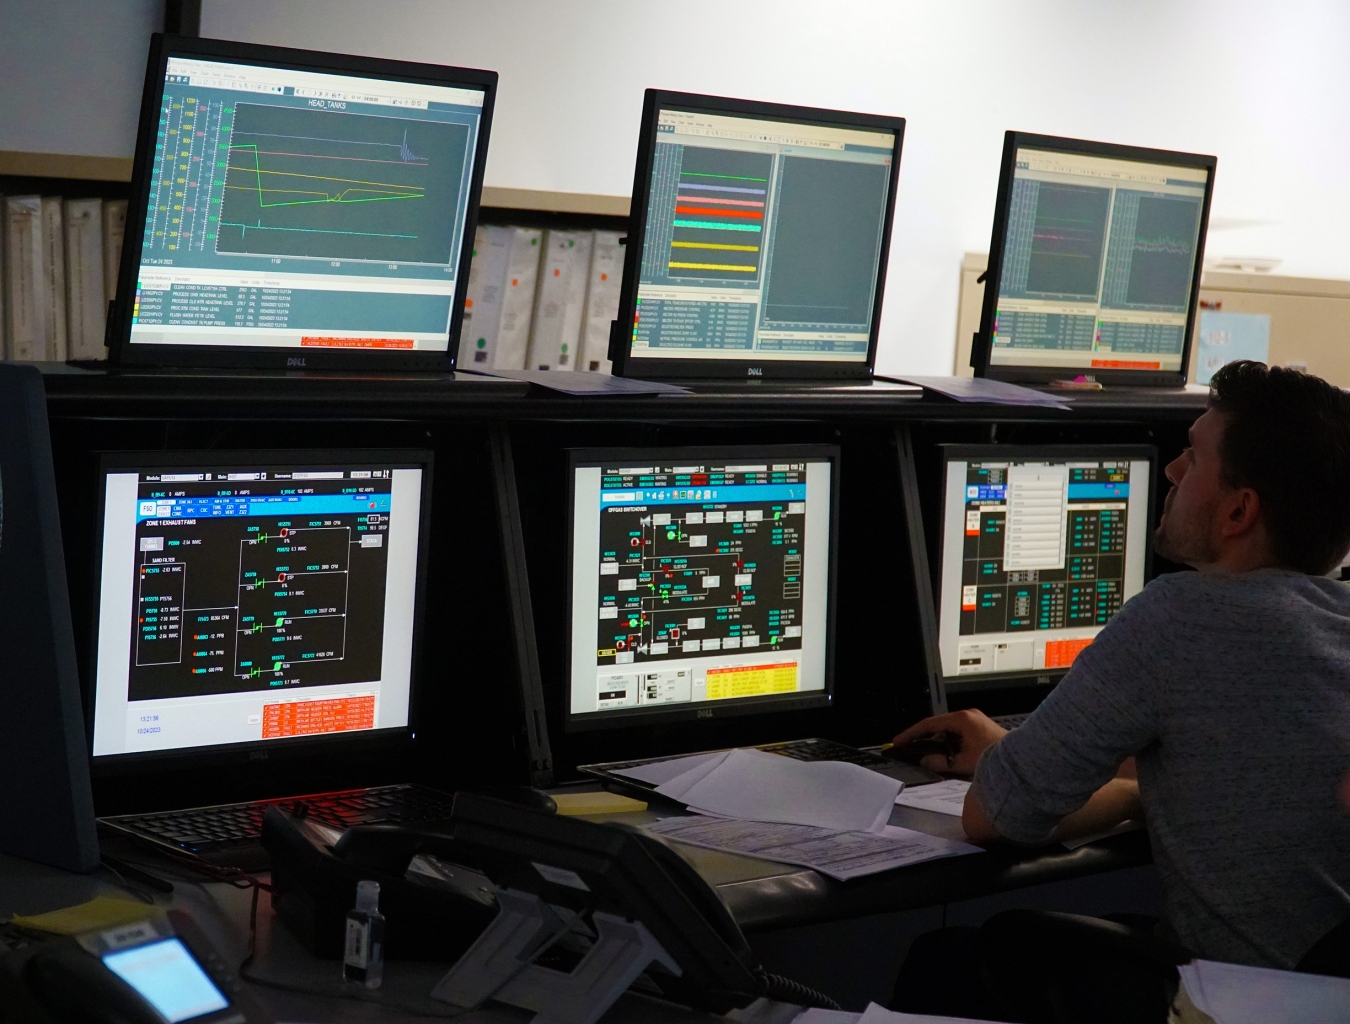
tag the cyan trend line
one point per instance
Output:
(718, 227)
(245, 228)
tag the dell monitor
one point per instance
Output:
(297, 209)
(702, 582)
(1040, 547)
(256, 603)
(1094, 263)
(757, 240)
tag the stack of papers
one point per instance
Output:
(753, 785)
(1233, 994)
(839, 854)
(875, 1014)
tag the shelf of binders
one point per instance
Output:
(543, 285)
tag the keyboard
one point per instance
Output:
(229, 835)
(1010, 722)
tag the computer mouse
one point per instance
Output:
(945, 745)
(524, 796)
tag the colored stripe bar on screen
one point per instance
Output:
(718, 212)
(715, 199)
(711, 266)
(706, 174)
(714, 245)
(724, 188)
(716, 227)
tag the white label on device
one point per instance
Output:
(560, 876)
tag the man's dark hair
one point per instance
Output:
(1287, 437)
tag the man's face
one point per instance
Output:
(1188, 532)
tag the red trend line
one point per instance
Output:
(707, 210)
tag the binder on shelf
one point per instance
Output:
(522, 273)
(559, 300)
(114, 227)
(25, 291)
(483, 307)
(602, 301)
(86, 301)
(54, 277)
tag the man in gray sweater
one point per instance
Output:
(1228, 687)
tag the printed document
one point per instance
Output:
(839, 854)
(945, 797)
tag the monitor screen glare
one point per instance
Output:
(305, 210)
(1098, 263)
(1037, 555)
(698, 582)
(255, 602)
(764, 239)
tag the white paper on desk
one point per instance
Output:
(945, 797)
(1233, 994)
(753, 785)
(815, 1015)
(664, 773)
(985, 389)
(841, 855)
(875, 1014)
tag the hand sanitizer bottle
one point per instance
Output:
(363, 961)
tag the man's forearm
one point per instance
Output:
(1115, 802)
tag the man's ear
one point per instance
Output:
(1242, 513)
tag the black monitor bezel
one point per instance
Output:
(955, 452)
(731, 368)
(981, 348)
(393, 740)
(122, 351)
(619, 718)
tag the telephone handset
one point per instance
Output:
(161, 970)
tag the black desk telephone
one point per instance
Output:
(443, 887)
(158, 971)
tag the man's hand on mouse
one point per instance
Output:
(971, 733)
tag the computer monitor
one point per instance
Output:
(702, 582)
(1094, 263)
(1040, 546)
(299, 209)
(757, 241)
(45, 802)
(256, 603)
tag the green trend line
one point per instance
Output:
(327, 197)
(700, 174)
(245, 228)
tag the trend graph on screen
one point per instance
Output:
(334, 185)
(1163, 252)
(719, 215)
(1067, 240)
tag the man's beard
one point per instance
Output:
(1186, 541)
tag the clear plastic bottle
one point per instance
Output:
(363, 961)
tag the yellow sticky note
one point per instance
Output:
(100, 912)
(596, 803)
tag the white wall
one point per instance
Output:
(1265, 86)
(71, 73)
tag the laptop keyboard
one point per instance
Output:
(231, 833)
(1010, 722)
(826, 750)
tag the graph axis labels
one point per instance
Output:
(337, 185)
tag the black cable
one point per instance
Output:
(785, 990)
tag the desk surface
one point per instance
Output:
(276, 394)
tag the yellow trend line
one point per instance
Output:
(320, 177)
(714, 245)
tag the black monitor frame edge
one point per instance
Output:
(121, 351)
(1047, 677)
(731, 368)
(286, 749)
(596, 721)
(982, 343)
